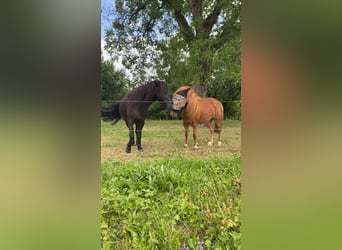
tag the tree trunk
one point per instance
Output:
(201, 89)
(203, 27)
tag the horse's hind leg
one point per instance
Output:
(131, 137)
(211, 128)
(138, 132)
(218, 130)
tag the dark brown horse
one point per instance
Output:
(133, 108)
(196, 110)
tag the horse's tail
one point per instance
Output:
(219, 118)
(111, 113)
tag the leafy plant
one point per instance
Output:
(171, 204)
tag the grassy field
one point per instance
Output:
(162, 139)
(170, 197)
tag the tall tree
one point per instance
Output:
(174, 33)
(114, 83)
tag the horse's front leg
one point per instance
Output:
(194, 134)
(186, 127)
(138, 132)
(131, 137)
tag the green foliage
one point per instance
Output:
(226, 83)
(232, 110)
(158, 112)
(194, 43)
(171, 203)
(113, 82)
(186, 42)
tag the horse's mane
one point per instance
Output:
(139, 93)
(183, 88)
(191, 93)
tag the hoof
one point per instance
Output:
(219, 144)
(128, 148)
(185, 145)
(210, 143)
(140, 148)
(196, 147)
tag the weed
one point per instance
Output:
(172, 204)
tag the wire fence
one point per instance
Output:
(114, 102)
(232, 109)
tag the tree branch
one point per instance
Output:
(196, 8)
(185, 29)
(136, 11)
(230, 29)
(212, 17)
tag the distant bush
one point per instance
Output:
(158, 112)
(232, 110)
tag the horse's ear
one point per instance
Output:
(184, 92)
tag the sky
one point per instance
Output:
(105, 4)
(104, 23)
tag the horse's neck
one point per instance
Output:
(145, 102)
(149, 99)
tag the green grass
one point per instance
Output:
(170, 197)
(162, 139)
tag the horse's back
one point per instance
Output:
(206, 110)
(211, 107)
(219, 108)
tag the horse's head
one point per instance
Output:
(179, 100)
(161, 92)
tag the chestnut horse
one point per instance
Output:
(134, 106)
(196, 110)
